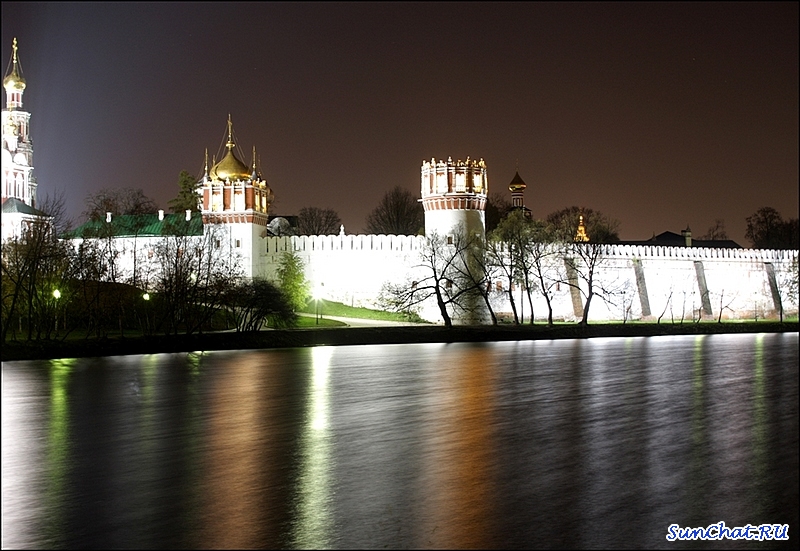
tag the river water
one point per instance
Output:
(591, 443)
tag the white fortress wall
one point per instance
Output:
(678, 279)
(647, 281)
(351, 269)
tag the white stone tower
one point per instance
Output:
(454, 199)
(453, 196)
(18, 180)
(239, 198)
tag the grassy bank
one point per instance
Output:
(337, 336)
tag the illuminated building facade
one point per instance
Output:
(237, 197)
(19, 183)
(644, 280)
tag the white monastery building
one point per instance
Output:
(644, 281)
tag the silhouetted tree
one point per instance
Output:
(254, 303)
(317, 221)
(497, 208)
(716, 232)
(118, 202)
(35, 263)
(188, 197)
(564, 224)
(398, 213)
(766, 229)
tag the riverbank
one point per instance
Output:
(338, 336)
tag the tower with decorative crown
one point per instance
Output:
(239, 198)
(454, 196)
(454, 201)
(18, 180)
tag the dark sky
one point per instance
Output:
(658, 115)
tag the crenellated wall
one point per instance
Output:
(634, 281)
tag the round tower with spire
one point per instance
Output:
(454, 196)
(18, 180)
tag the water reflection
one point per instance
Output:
(457, 470)
(311, 528)
(588, 443)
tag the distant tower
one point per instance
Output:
(18, 180)
(581, 236)
(454, 195)
(517, 189)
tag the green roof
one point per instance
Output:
(12, 205)
(139, 225)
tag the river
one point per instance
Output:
(588, 443)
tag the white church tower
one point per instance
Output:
(238, 197)
(453, 196)
(19, 185)
(18, 180)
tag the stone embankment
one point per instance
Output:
(339, 336)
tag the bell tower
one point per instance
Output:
(18, 180)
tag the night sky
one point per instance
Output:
(658, 115)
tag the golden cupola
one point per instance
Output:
(230, 168)
(13, 82)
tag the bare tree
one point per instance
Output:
(441, 279)
(118, 202)
(398, 213)
(507, 253)
(197, 273)
(542, 252)
(583, 259)
(36, 270)
(317, 221)
(716, 231)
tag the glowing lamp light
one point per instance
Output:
(146, 296)
(57, 294)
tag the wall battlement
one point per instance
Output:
(308, 243)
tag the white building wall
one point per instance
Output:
(353, 269)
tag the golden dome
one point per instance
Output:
(14, 81)
(230, 167)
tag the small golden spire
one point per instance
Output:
(581, 235)
(230, 143)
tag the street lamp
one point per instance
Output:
(56, 295)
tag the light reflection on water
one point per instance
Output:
(587, 443)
